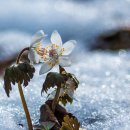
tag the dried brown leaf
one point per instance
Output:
(70, 124)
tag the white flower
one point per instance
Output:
(36, 47)
(56, 53)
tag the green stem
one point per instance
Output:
(30, 127)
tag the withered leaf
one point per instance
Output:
(22, 73)
(70, 124)
(75, 80)
(52, 79)
(47, 114)
(68, 75)
(65, 99)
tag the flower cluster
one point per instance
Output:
(54, 53)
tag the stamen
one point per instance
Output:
(57, 61)
(57, 46)
(60, 54)
(50, 64)
(63, 49)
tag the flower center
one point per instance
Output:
(53, 54)
(51, 51)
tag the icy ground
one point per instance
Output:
(103, 94)
(104, 90)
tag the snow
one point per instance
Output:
(103, 94)
(104, 91)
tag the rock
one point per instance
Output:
(113, 40)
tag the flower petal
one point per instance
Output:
(64, 61)
(38, 36)
(68, 47)
(56, 39)
(33, 56)
(46, 66)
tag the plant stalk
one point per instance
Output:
(20, 54)
(30, 127)
(56, 99)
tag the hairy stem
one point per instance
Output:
(30, 127)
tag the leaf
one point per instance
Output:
(22, 73)
(17, 74)
(70, 85)
(46, 114)
(65, 99)
(7, 82)
(70, 124)
(47, 125)
(68, 75)
(66, 94)
(75, 80)
(52, 79)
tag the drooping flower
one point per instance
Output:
(56, 53)
(36, 47)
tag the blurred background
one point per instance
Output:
(97, 24)
(102, 31)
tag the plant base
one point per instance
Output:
(46, 114)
